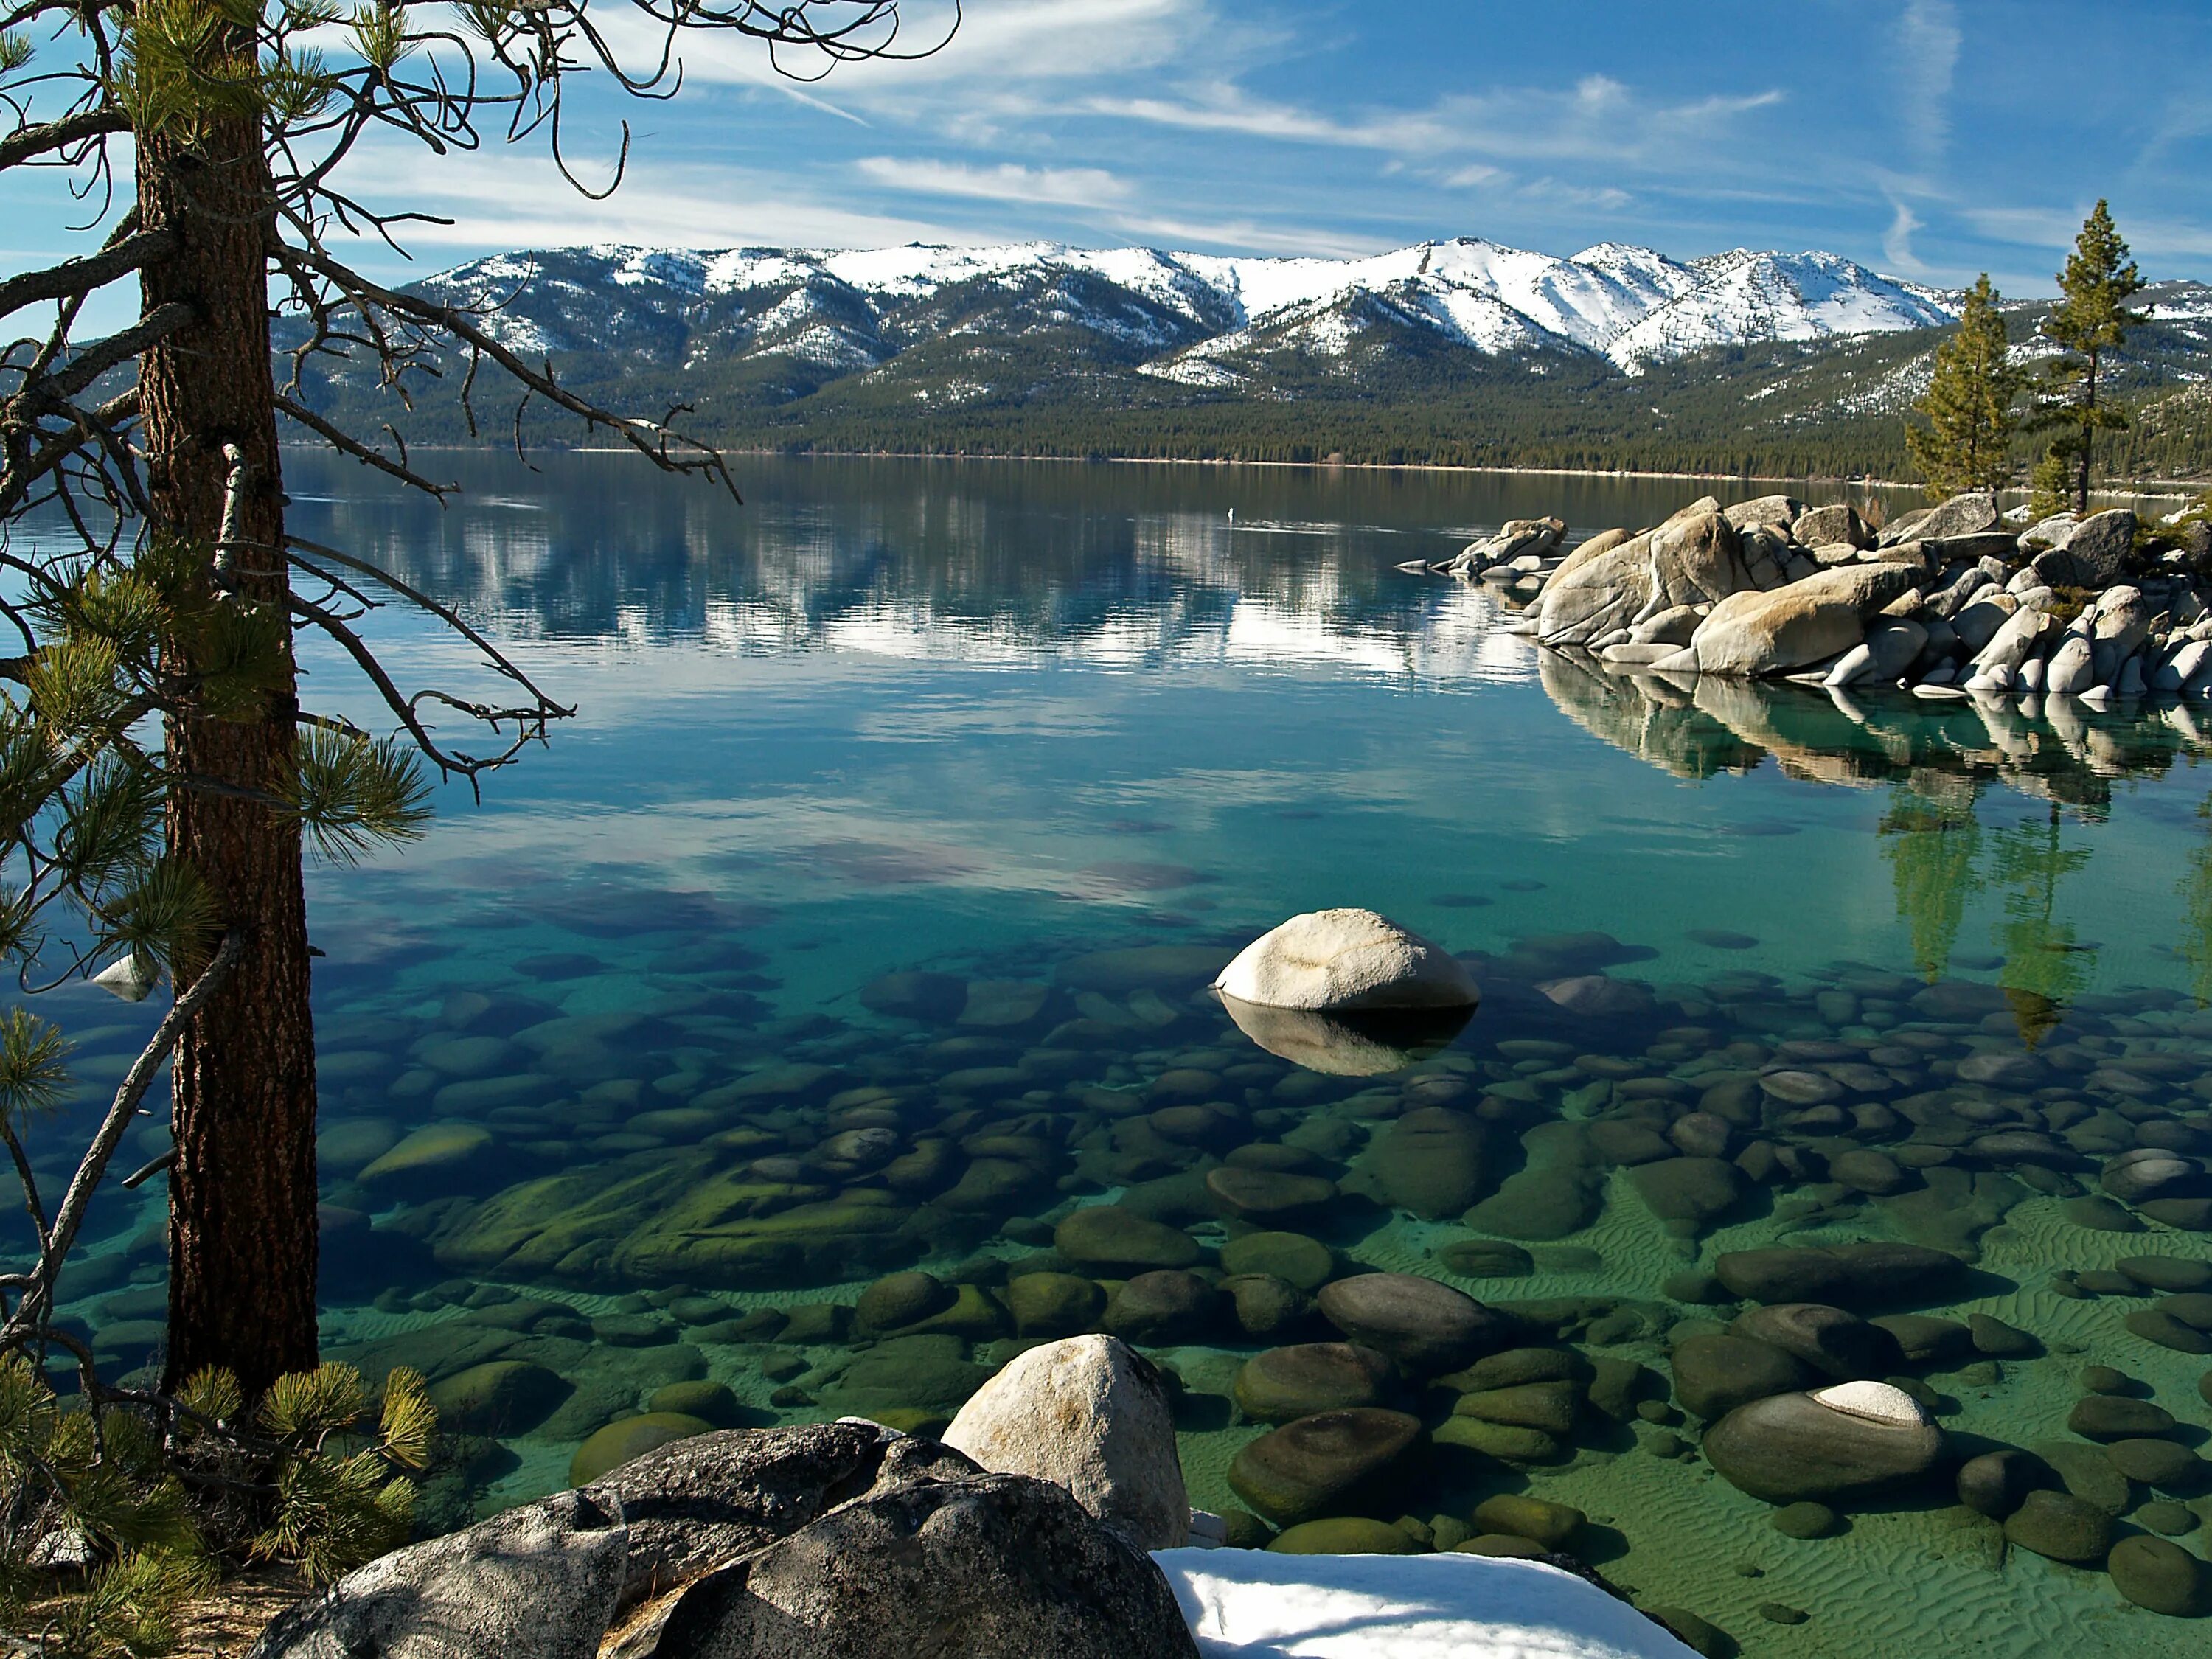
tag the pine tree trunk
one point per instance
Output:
(242, 1236)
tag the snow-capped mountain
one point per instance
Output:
(1195, 318)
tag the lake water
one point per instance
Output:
(860, 922)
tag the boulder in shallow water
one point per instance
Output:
(1716, 1372)
(1091, 1414)
(1334, 1460)
(1846, 1442)
(1431, 1161)
(1427, 1328)
(2061, 1526)
(1350, 1044)
(1862, 1275)
(2158, 1574)
(1346, 961)
(1284, 1384)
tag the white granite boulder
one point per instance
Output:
(1089, 1413)
(1346, 961)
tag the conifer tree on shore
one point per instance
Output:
(2090, 321)
(1968, 405)
(155, 590)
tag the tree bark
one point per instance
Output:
(2088, 441)
(242, 1230)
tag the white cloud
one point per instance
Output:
(1928, 39)
(1063, 187)
(1897, 241)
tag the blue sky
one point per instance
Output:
(1929, 138)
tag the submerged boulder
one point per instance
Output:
(1849, 1441)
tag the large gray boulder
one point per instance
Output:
(1765, 510)
(2094, 554)
(1091, 1414)
(997, 1566)
(1755, 634)
(1846, 1442)
(1973, 513)
(694, 1505)
(544, 1580)
(1824, 527)
(1696, 557)
(1341, 961)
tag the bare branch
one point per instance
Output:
(80, 277)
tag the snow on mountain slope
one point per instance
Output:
(857, 308)
(1743, 296)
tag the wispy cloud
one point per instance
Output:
(1928, 40)
(1897, 241)
(1008, 182)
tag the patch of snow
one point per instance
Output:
(1250, 1604)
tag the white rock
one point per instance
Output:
(1876, 1402)
(1089, 1413)
(1346, 960)
(131, 978)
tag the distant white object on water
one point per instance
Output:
(131, 978)
(1232, 515)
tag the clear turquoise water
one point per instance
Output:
(986, 720)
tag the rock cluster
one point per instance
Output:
(841, 1538)
(1948, 599)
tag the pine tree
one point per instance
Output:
(2090, 321)
(1967, 442)
(164, 588)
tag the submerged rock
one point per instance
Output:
(1284, 1384)
(1427, 1328)
(1851, 1441)
(1332, 1460)
(1844, 1276)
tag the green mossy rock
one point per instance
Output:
(1335, 1460)
(2159, 1574)
(350, 1145)
(1804, 1520)
(1293, 1257)
(1054, 1304)
(1108, 1237)
(438, 1352)
(438, 1157)
(501, 1397)
(1506, 1443)
(929, 1374)
(1348, 1535)
(1553, 1525)
(1284, 1384)
(1502, 1546)
(710, 1402)
(732, 1233)
(633, 1437)
(1431, 1161)
(1551, 1406)
(2061, 1528)
(900, 1300)
(1483, 1258)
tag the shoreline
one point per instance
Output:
(2161, 489)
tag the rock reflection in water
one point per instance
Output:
(1349, 1045)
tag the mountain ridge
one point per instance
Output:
(1630, 304)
